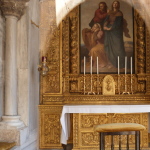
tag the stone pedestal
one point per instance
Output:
(13, 134)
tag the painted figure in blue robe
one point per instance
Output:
(113, 41)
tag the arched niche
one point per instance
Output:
(71, 49)
(61, 46)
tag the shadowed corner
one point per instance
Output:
(67, 147)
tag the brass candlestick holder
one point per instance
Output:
(91, 92)
(131, 85)
(118, 84)
(98, 84)
(126, 92)
(84, 84)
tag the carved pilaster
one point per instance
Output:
(13, 7)
(65, 45)
(74, 41)
(140, 43)
(76, 131)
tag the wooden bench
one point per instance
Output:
(119, 129)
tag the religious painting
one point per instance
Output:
(106, 37)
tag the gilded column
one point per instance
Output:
(12, 10)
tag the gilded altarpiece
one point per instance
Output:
(65, 85)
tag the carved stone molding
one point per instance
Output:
(13, 7)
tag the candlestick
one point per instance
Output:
(125, 82)
(91, 64)
(97, 65)
(131, 77)
(118, 76)
(84, 64)
(125, 64)
(118, 65)
(131, 65)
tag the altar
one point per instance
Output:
(77, 89)
(67, 109)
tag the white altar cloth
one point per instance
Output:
(67, 109)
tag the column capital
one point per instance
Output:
(13, 7)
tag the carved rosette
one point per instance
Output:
(13, 7)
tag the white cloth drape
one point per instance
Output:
(67, 109)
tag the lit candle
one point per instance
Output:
(91, 64)
(97, 65)
(131, 65)
(118, 65)
(84, 64)
(125, 64)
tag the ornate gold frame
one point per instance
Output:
(64, 82)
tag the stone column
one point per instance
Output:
(1, 64)
(12, 10)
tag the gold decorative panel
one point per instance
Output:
(50, 129)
